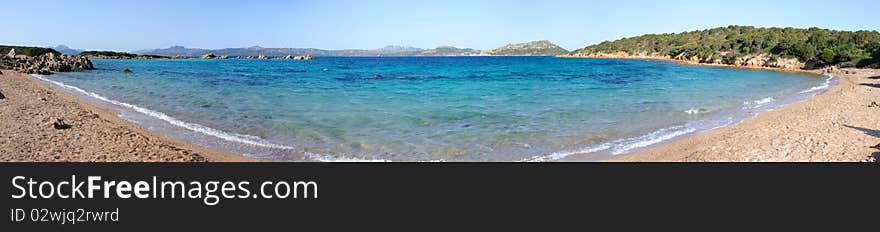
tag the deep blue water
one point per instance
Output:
(433, 108)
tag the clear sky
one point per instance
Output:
(126, 25)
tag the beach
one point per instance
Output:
(32, 132)
(840, 125)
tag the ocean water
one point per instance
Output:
(433, 108)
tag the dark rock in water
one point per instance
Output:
(377, 75)
(60, 125)
(125, 70)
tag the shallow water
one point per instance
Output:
(433, 108)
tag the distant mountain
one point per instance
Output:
(66, 50)
(537, 48)
(534, 48)
(393, 49)
(449, 51)
(175, 51)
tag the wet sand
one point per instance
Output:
(31, 132)
(842, 124)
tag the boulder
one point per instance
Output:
(125, 70)
(223, 57)
(287, 57)
(307, 57)
(11, 53)
(209, 56)
(262, 57)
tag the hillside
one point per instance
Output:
(744, 45)
(27, 51)
(118, 55)
(447, 51)
(534, 48)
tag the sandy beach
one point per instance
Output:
(840, 125)
(31, 131)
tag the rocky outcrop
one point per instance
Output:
(262, 57)
(290, 57)
(11, 53)
(746, 61)
(209, 56)
(46, 64)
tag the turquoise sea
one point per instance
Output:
(433, 108)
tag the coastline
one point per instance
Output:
(87, 132)
(755, 139)
(835, 126)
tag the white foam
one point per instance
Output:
(693, 111)
(757, 103)
(562, 154)
(651, 139)
(620, 146)
(329, 158)
(823, 86)
(233, 137)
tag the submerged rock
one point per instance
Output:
(125, 70)
(377, 75)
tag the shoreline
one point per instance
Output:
(86, 132)
(692, 63)
(834, 126)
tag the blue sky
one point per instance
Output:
(126, 25)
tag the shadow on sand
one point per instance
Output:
(875, 133)
(874, 78)
(871, 85)
(1, 96)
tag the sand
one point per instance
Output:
(842, 124)
(29, 111)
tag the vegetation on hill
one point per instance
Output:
(28, 51)
(816, 46)
(534, 48)
(119, 55)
